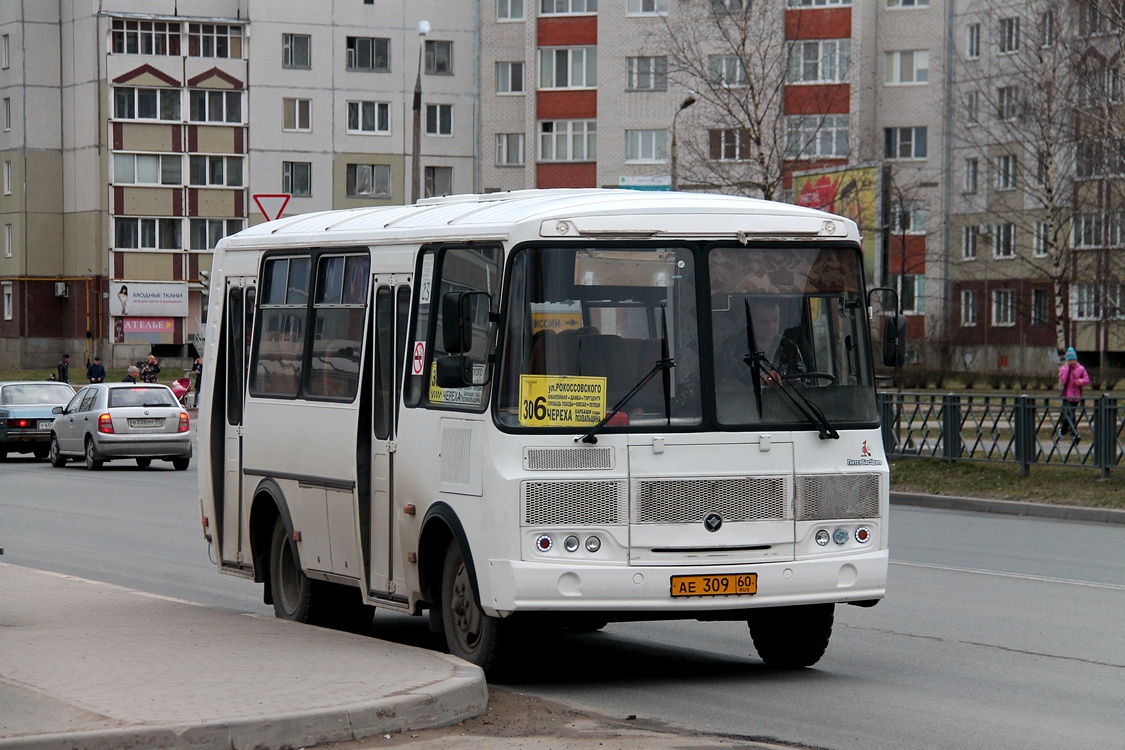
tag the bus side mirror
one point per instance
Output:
(457, 314)
(454, 371)
(894, 340)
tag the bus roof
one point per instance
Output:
(552, 214)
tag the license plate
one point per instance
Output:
(146, 423)
(45, 424)
(728, 584)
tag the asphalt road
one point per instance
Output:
(999, 632)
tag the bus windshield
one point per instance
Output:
(594, 328)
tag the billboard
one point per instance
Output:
(149, 299)
(852, 192)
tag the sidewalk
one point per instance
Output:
(86, 666)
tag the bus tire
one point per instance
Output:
(792, 637)
(292, 589)
(470, 634)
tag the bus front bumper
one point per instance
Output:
(518, 586)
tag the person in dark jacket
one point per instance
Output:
(64, 369)
(150, 369)
(95, 373)
(131, 375)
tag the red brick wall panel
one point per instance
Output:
(817, 99)
(819, 23)
(567, 32)
(566, 174)
(579, 104)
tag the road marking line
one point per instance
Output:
(1001, 574)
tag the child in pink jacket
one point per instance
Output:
(1072, 376)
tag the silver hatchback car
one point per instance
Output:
(106, 421)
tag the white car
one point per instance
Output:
(106, 421)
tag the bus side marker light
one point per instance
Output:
(863, 535)
(544, 543)
(412, 557)
(296, 536)
(409, 509)
(823, 537)
(840, 536)
(593, 544)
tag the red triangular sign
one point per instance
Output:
(271, 204)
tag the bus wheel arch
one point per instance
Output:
(440, 526)
(268, 505)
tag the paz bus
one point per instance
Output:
(548, 407)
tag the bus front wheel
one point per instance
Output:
(792, 637)
(292, 589)
(470, 634)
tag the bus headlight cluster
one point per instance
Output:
(545, 543)
(840, 535)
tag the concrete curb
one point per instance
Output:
(462, 696)
(1010, 507)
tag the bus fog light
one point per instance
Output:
(822, 537)
(593, 544)
(570, 544)
(863, 535)
(544, 543)
(840, 536)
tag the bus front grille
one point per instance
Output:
(689, 500)
(589, 503)
(831, 496)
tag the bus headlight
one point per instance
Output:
(570, 544)
(593, 544)
(840, 536)
(822, 537)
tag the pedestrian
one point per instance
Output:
(150, 369)
(51, 376)
(1072, 376)
(64, 368)
(197, 369)
(131, 374)
(95, 373)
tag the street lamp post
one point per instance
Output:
(416, 147)
(690, 100)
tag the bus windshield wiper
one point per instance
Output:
(664, 364)
(755, 359)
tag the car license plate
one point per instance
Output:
(728, 584)
(45, 424)
(142, 423)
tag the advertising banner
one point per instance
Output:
(150, 299)
(850, 192)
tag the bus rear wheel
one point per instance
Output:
(792, 637)
(470, 634)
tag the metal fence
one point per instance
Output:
(1026, 430)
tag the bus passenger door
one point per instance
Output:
(392, 307)
(238, 323)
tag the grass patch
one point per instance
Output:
(1056, 485)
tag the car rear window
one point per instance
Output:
(141, 396)
(35, 393)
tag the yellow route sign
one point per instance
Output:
(561, 400)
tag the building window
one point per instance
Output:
(646, 8)
(296, 51)
(368, 53)
(9, 239)
(1007, 102)
(509, 10)
(369, 117)
(1042, 167)
(972, 42)
(1048, 29)
(819, 61)
(972, 170)
(1040, 307)
(815, 136)
(215, 171)
(214, 40)
(214, 106)
(1084, 302)
(5, 52)
(509, 149)
(1006, 165)
(1004, 241)
(146, 104)
(1087, 229)
(907, 3)
(910, 292)
(1009, 38)
(296, 114)
(968, 308)
(646, 73)
(147, 169)
(204, 234)
(8, 304)
(7, 178)
(568, 140)
(1004, 307)
(1092, 19)
(908, 66)
(728, 145)
(1042, 239)
(147, 234)
(646, 146)
(439, 58)
(726, 70)
(439, 119)
(908, 217)
(296, 178)
(972, 107)
(568, 67)
(7, 113)
(145, 37)
(970, 236)
(567, 7)
(509, 78)
(904, 143)
(438, 181)
(368, 181)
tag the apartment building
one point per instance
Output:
(127, 149)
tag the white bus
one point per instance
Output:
(560, 407)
